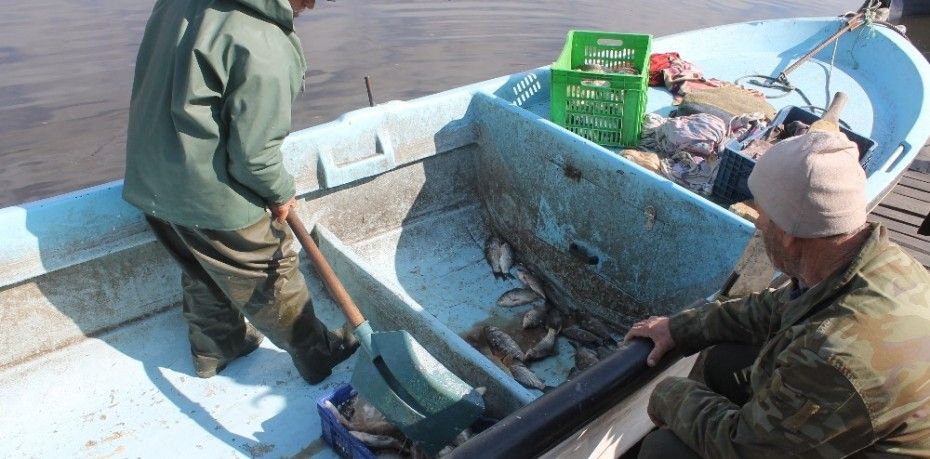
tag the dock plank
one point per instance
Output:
(905, 208)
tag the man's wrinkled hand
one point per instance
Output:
(656, 329)
(279, 211)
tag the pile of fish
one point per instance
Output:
(591, 338)
(369, 426)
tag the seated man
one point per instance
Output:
(835, 363)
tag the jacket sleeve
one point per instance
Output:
(257, 114)
(744, 320)
(808, 409)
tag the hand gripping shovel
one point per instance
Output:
(412, 389)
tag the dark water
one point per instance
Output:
(66, 65)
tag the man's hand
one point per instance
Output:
(656, 329)
(279, 211)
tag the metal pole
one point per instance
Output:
(371, 99)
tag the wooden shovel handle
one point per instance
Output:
(836, 107)
(332, 283)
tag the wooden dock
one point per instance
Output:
(905, 208)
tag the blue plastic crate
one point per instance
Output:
(334, 433)
(731, 184)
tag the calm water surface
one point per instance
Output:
(66, 65)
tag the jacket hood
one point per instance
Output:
(277, 11)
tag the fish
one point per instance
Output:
(580, 335)
(492, 253)
(462, 437)
(584, 358)
(553, 317)
(525, 376)
(624, 68)
(517, 297)
(366, 418)
(605, 351)
(594, 325)
(544, 348)
(534, 317)
(502, 344)
(557, 299)
(506, 260)
(531, 281)
(598, 68)
(328, 406)
(378, 441)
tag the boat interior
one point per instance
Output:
(401, 198)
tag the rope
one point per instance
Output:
(869, 11)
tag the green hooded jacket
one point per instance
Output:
(844, 368)
(211, 104)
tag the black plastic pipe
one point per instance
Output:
(547, 421)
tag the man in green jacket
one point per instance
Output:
(211, 104)
(835, 363)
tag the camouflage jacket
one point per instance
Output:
(853, 378)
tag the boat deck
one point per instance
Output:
(905, 208)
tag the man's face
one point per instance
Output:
(300, 5)
(777, 243)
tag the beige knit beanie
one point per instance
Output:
(811, 185)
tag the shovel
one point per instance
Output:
(413, 390)
(830, 121)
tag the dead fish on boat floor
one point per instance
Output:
(584, 358)
(553, 317)
(492, 253)
(506, 259)
(605, 351)
(525, 376)
(532, 282)
(534, 317)
(517, 297)
(581, 335)
(544, 348)
(362, 416)
(378, 441)
(502, 344)
(499, 256)
(557, 299)
(594, 325)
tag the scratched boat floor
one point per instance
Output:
(905, 208)
(132, 393)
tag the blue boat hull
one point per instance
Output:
(93, 354)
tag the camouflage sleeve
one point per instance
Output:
(743, 320)
(808, 409)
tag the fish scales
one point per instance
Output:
(580, 335)
(532, 282)
(503, 344)
(544, 348)
(584, 358)
(534, 317)
(517, 297)
(525, 376)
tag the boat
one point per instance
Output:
(94, 360)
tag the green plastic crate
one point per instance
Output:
(606, 108)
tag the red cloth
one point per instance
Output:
(657, 63)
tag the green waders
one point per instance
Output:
(254, 273)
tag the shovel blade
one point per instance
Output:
(414, 391)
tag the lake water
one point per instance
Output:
(66, 65)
